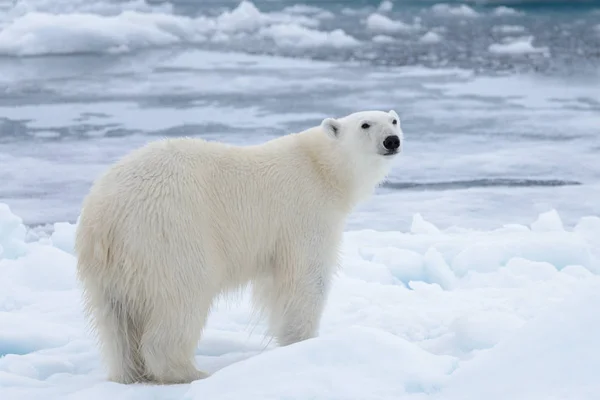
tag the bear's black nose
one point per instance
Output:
(391, 142)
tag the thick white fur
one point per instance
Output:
(180, 221)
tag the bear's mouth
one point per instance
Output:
(390, 153)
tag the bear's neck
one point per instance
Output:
(347, 181)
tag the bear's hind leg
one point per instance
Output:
(169, 343)
(120, 334)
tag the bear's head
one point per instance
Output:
(374, 135)
(365, 142)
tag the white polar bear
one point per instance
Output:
(178, 222)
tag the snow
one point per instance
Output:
(517, 46)
(385, 6)
(39, 31)
(508, 29)
(429, 313)
(12, 233)
(503, 11)
(430, 37)
(346, 351)
(554, 356)
(381, 24)
(294, 35)
(461, 10)
(382, 39)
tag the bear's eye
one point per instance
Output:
(365, 126)
(394, 122)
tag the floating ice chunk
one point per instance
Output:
(503, 10)
(554, 356)
(12, 234)
(41, 33)
(293, 35)
(385, 6)
(20, 8)
(244, 17)
(508, 29)
(517, 46)
(420, 226)
(383, 39)
(302, 9)
(430, 37)
(382, 24)
(355, 362)
(547, 222)
(310, 12)
(461, 10)
(37, 32)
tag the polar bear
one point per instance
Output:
(178, 222)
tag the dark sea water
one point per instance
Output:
(500, 102)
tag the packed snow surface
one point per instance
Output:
(422, 314)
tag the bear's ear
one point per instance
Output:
(331, 126)
(394, 114)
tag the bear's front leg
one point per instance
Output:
(295, 295)
(300, 309)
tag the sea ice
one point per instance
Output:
(503, 10)
(554, 356)
(424, 314)
(430, 37)
(517, 46)
(39, 31)
(381, 24)
(461, 10)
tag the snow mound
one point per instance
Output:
(424, 314)
(554, 356)
(340, 365)
(517, 46)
